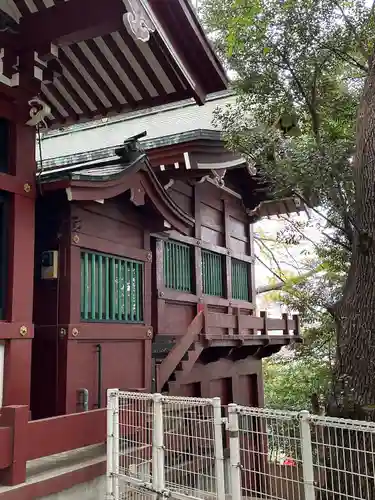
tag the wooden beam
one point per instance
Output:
(69, 22)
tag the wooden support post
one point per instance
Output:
(147, 279)
(197, 249)
(17, 369)
(286, 327)
(228, 262)
(160, 287)
(297, 327)
(263, 314)
(16, 417)
(252, 294)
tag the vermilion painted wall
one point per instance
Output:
(65, 356)
(19, 182)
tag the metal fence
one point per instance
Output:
(160, 446)
(166, 446)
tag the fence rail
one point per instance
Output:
(193, 448)
(164, 445)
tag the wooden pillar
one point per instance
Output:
(17, 369)
(197, 248)
(252, 266)
(16, 418)
(69, 314)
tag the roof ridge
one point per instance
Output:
(101, 153)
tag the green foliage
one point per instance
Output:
(290, 383)
(299, 68)
(299, 71)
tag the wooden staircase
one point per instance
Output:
(212, 335)
(182, 357)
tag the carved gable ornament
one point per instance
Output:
(137, 21)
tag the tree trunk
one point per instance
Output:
(354, 382)
(355, 366)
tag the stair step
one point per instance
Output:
(183, 355)
(161, 346)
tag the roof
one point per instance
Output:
(112, 56)
(162, 121)
(97, 156)
(191, 155)
(129, 170)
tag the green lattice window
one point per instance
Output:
(178, 266)
(111, 288)
(3, 254)
(213, 273)
(241, 285)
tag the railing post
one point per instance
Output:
(307, 456)
(113, 444)
(219, 452)
(158, 478)
(234, 449)
(15, 417)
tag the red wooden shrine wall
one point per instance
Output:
(18, 184)
(221, 225)
(65, 348)
(69, 344)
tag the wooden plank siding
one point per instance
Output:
(221, 236)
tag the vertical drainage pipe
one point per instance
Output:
(100, 375)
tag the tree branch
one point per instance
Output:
(270, 269)
(344, 56)
(337, 242)
(270, 288)
(260, 242)
(353, 30)
(308, 204)
(310, 103)
(299, 231)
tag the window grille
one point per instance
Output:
(111, 288)
(178, 264)
(213, 273)
(241, 286)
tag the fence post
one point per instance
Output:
(234, 449)
(113, 444)
(307, 456)
(219, 452)
(158, 479)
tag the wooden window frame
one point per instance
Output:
(111, 290)
(168, 283)
(249, 271)
(223, 274)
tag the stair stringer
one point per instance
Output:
(169, 364)
(186, 367)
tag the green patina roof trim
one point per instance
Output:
(130, 156)
(107, 153)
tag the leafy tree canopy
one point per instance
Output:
(299, 68)
(299, 384)
(299, 71)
